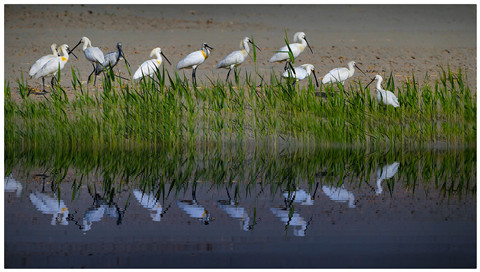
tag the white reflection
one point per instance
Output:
(385, 172)
(194, 210)
(97, 211)
(299, 196)
(11, 185)
(235, 211)
(339, 194)
(299, 224)
(50, 205)
(149, 202)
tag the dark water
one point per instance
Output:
(321, 208)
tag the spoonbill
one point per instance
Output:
(339, 194)
(194, 59)
(236, 57)
(149, 67)
(383, 96)
(99, 208)
(386, 172)
(11, 185)
(51, 67)
(291, 219)
(149, 201)
(194, 210)
(299, 196)
(92, 54)
(110, 60)
(297, 48)
(341, 74)
(300, 72)
(41, 61)
(50, 205)
(235, 211)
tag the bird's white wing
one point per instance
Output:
(94, 54)
(235, 57)
(335, 75)
(194, 58)
(299, 74)
(50, 68)
(147, 68)
(39, 63)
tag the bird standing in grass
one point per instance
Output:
(149, 67)
(52, 66)
(383, 96)
(341, 74)
(236, 57)
(297, 48)
(301, 72)
(194, 59)
(110, 60)
(92, 54)
(41, 61)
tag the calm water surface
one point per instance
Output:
(324, 208)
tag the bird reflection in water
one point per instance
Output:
(386, 172)
(194, 209)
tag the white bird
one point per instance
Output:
(235, 211)
(150, 202)
(150, 67)
(339, 194)
(295, 220)
(92, 54)
(383, 96)
(299, 196)
(297, 48)
(51, 67)
(236, 57)
(301, 72)
(194, 59)
(194, 210)
(96, 212)
(110, 60)
(386, 172)
(41, 61)
(50, 205)
(341, 74)
(11, 185)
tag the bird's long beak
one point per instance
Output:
(360, 69)
(71, 52)
(254, 45)
(76, 46)
(308, 45)
(315, 76)
(208, 46)
(166, 58)
(369, 83)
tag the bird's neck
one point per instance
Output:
(205, 52)
(379, 84)
(64, 53)
(246, 47)
(86, 45)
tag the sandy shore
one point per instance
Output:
(397, 39)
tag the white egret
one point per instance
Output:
(300, 72)
(150, 67)
(236, 57)
(92, 54)
(110, 60)
(341, 74)
(383, 96)
(194, 59)
(52, 66)
(297, 48)
(386, 172)
(41, 61)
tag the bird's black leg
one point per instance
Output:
(229, 70)
(89, 76)
(43, 80)
(53, 87)
(194, 80)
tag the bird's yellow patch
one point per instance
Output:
(159, 62)
(64, 59)
(301, 47)
(204, 55)
(64, 209)
(244, 52)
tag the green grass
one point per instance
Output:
(165, 109)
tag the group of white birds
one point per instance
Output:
(49, 65)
